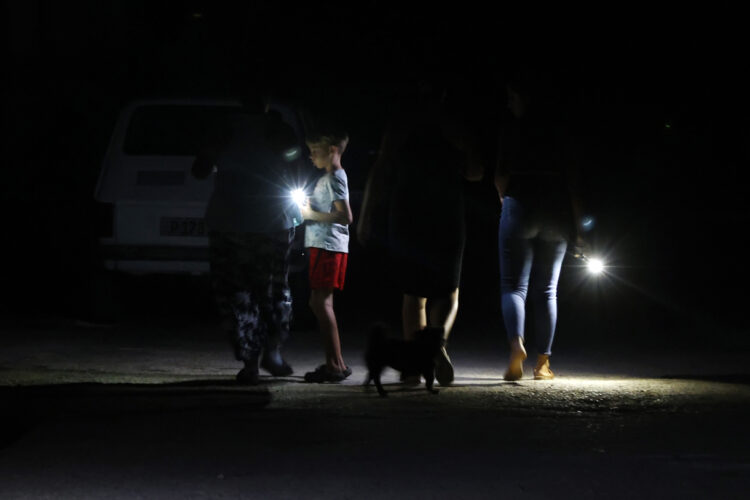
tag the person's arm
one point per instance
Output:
(211, 144)
(204, 164)
(578, 214)
(341, 214)
(574, 158)
(502, 178)
(376, 193)
(474, 167)
(502, 174)
(459, 135)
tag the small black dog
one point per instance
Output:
(410, 357)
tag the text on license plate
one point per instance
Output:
(182, 226)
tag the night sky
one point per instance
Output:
(663, 98)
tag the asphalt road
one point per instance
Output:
(148, 409)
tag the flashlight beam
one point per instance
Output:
(299, 196)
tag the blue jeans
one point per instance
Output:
(532, 247)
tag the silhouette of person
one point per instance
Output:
(414, 199)
(537, 177)
(251, 220)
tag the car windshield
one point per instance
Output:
(172, 130)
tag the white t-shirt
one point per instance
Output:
(331, 187)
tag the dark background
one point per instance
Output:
(662, 95)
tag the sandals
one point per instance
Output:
(325, 374)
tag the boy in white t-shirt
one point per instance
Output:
(327, 217)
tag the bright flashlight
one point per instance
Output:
(595, 266)
(299, 196)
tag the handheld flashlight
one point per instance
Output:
(299, 196)
(594, 265)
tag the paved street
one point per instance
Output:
(120, 385)
(148, 409)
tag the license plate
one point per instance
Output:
(183, 226)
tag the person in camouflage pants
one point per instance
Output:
(249, 275)
(251, 218)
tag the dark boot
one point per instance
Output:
(249, 374)
(274, 364)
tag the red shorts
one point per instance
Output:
(327, 269)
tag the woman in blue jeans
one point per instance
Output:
(537, 182)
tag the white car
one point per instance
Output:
(157, 206)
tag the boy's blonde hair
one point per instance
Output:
(338, 139)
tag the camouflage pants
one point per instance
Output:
(249, 275)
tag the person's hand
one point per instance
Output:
(364, 232)
(203, 167)
(305, 209)
(580, 247)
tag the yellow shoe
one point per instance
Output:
(542, 370)
(515, 366)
